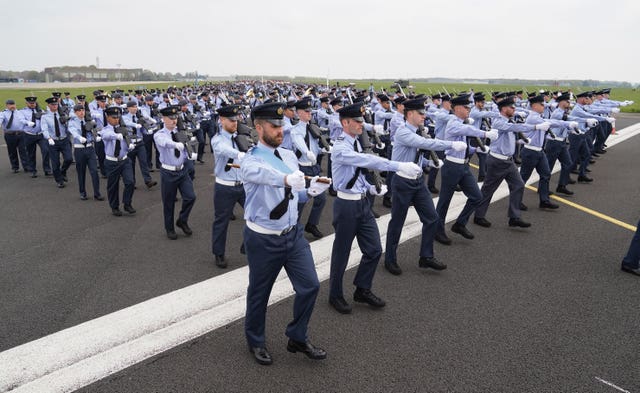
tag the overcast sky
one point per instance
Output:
(343, 39)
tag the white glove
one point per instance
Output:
(119, 137)
(31, 124)
(434, 164)
(521, 114)
(409, 169)
(152, 120)
(624, 103)
(470, 121)
(193, 139)
(206, 114)
(137, 126)
(316, 188)
(374, 191)
(180, 146)
(98, 138)
(611, 120)
(240, 156)
(592, 122)
(629, 102)
(380, 146)
(82, 139)
(458, 145)
(194, 156)
(615, 110)
(573, 124)
(492, 134)
(198, 126)
(51, 142)
(311, 157)
(379, 129)
(296, 181)
(327, 151)
(543, 126)
(132, 146)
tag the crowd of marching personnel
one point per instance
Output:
(269, 140)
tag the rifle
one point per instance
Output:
(432, 154)
(317, 132)
(479, 141)
(186, 139)
(367, 148)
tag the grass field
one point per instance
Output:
(419, 87)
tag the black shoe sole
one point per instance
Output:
(293, 349)
(395, 271)
(628, 270)
(340, 310)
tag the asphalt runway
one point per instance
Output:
(544, 309)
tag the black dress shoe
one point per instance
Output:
(261, 355)
(442, 238)
(628, 269)
(129, 209)
(220, 262)
(83, 197)
(571, 181)
(393, 268)
(462, 230)
(483, 222)
(61, 185)
(48, 174)
(575, 171)
(362, 295)
(431, 262)
(16, 170)
(548, 205)
(594, 154)
(116, 212)
(340, 305)
(34, 175)
(201, 161)
(592, 161)
(386, 202)
(171, 234)
(151, 183)
(434, 190)
(517, 222)
(307, 348)
(584, 179)
(523, 207)
(601, 151)
(98, 197)
(587, 170)
(185, 227)
(313, 229)
(564, 190)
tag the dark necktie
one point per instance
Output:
(174, 138)
(33, 115)
(282, 207)
(104, 118)
(10, 123)
(116, 150)
(230, 160)
(84, 132)
(358, 171)
(56, 125)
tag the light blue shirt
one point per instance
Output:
(298, 133)
(48, 126)
(456, 130)
(109, 137)
(16, 124)
(286, 130)
(407, 143)
(264, 186)
(345, 160)
(536, 137)
(397, 121)
(582, 112)
(166, 147)
(506, 142)
(26, 117)
(75, 129)
(223, 150)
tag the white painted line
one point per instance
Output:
(612, 385)
(75, 357)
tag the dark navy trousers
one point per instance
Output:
(31, 141)
(454, 174)
(497, 171)
(224, 199)
(267, 255)
(632, 259)
(318, 201)
(116, 170)
(86, 158)
(557, 150)
(140, 154)
(407, 192)
(170, 183)
(354, 219)
(15, 147)
(60, 147)
(536, 160)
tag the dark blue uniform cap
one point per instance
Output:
(539, 99)
(51, 100)
(336, 101)
(415, 104)
(113, 111)
(462, 99)
(303, 104)
(31, 99)
(170, 110)
(229, 111)
(506, 102)
(355, 112)
(563, 97)
(272, 112)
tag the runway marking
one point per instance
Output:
(612, 385)
(77, 356)
(589, 211)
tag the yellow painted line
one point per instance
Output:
(582, 208)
